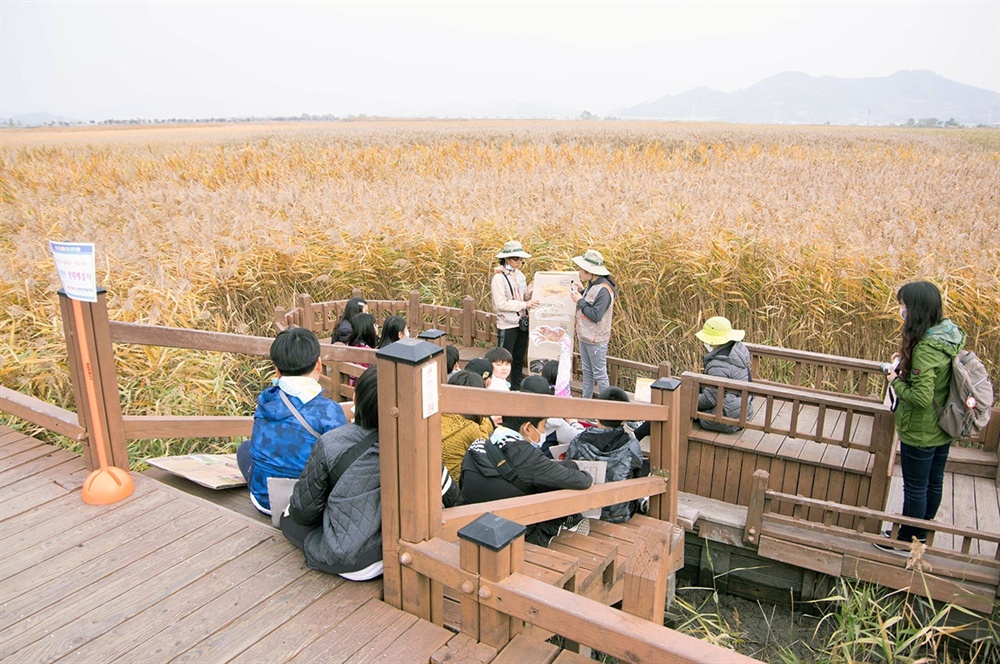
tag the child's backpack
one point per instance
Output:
(970, 396)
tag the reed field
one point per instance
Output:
(800, 235)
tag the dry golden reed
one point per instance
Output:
(800, 235)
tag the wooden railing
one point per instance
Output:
(818, 372)
(498, 599)
(814, 443)
(420, 560)
(466, 326)
(968, 576)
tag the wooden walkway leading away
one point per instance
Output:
(162, 576)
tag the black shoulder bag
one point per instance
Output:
(499, 461)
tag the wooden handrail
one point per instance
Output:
(602, 627)
(539, 507)
(146, 427)
(45, 415)
(471, 400)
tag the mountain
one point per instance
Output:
(796, 98)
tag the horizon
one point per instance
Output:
(116, 61)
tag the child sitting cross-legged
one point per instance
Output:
(291, 414)
(613, 443)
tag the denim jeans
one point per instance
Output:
(923, 478)
(594, 364)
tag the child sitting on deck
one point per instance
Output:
(291, 414)
(510, 464)
(726, 357)
(617, 446)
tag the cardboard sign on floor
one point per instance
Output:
(215, 471)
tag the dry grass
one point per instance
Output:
(799, 235)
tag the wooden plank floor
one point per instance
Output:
(163, 576)
(968, 501)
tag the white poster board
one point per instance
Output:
(552, 320)
(75, 264)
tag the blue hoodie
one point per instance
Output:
(279, 444)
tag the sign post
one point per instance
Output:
(75, 264)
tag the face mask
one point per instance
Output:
(536, 443)
(709, 347)
(902, 313)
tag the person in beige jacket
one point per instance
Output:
(511, 301)
(594, 307)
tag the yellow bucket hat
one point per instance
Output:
(717, 330)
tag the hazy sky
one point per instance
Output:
(96, 60)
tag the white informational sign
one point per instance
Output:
(598, 471)
(644, 389)
(551, 322)
(430, 381)
(75, 263)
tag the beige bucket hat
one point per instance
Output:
(592, 261)
(718, 330)
(513, 249)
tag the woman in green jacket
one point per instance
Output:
(920, 380)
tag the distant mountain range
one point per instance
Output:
(796, 98)
(921, 98)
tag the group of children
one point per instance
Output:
(334, 511)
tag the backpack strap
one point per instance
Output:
(351, 455)
(296, 413)
(500, 462)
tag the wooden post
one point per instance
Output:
(755, 511)
(663, 370)
(413, 317)
(646, 576)
(307, 320)
(410, 464)
(468, 320)
(280, 320)
(882, 442)
(438, 338)
(494, 547)
(107, 401)
(664, 447)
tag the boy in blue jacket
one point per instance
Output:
(291, 414)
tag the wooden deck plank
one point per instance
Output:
(319, 618)
(100, 556)
(194, 613)
(17, 445)
(522, 649)
(8, 436)
(963, 512)
(946, 512)
(418, 643)
(37, 495)
(32, 548)
(987, 511)
(350, 635)
(54, 631)
(53, 457)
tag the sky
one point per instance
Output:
(181, 59)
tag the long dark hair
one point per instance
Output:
(922, 300)
(392, 330)
(353, 308)
(363, 331)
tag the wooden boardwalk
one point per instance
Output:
(162, 576)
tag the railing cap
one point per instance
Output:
(409, 351)
(669, 384)
(492, 531)
(431, 334)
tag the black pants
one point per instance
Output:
(516, 341)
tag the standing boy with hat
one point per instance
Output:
(510, 303)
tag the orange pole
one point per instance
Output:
(107, 484)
